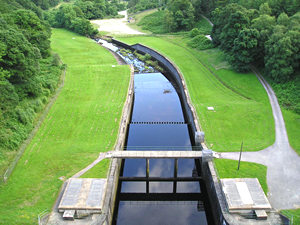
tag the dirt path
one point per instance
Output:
(116, 26)
(283, 174)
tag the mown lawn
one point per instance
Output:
(228, 169)
(242, 109)
(292, 124)
(83, 121)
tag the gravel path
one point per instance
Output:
(116, 26)
(283, 174)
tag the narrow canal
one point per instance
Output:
(158, 191)
(158, 123)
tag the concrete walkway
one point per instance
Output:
(283, 174)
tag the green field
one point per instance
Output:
(292, 124)
(83, 121)
(137, 18)
(242, 109)
(228, 169)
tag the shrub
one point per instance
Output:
(194, 32)
(200, 42)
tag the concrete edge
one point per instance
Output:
(114, 169)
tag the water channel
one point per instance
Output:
(159, 191)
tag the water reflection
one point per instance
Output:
(164, 213)
(156, 100)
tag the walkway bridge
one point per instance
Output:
(153, 154)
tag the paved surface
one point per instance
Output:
(244, 194)
(283, 174)
(116, 26)
(83, 193)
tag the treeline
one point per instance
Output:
(29, 73)
(76, 15)
(178, 14)
(262, 37)
(141, 5)
(266, 35)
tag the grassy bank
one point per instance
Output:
(83, 121)
(292, 124)
(242, 109)
(293, 215)
(228, 169)
(138, 17)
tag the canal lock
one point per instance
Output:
(158, 191)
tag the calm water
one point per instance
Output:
(156, 101)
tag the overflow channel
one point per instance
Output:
(159, 191)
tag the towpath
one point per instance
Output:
(283, 173)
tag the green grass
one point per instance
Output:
(242, 109)
(292, 124)
(204, 26)
(288, 96)
(138, 17)
(293, 215)
(228, 169)
(98, 171)
(83, 121)
(153, 22)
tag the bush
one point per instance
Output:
(200, 42)
(194, 32)
(288, 94)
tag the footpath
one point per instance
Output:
(283, 173)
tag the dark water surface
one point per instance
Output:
(158, 124)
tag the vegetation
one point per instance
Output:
(29, 74)
(293, 215)
(265, 34)
(199, 41)
(135, 6)
(292, 123)
(98, 171)
(137, 17)
(251, 37)
(233, 95)
(83, 121)
(152, 22)
(228, 169)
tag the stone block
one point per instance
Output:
(69, 215)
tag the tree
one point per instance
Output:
(35, 30)
(264, 24)
(180, 15)
(245, 49)
(19, 56)
(237, 20)
(83, 26)
(278, 61)
(227, 23)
